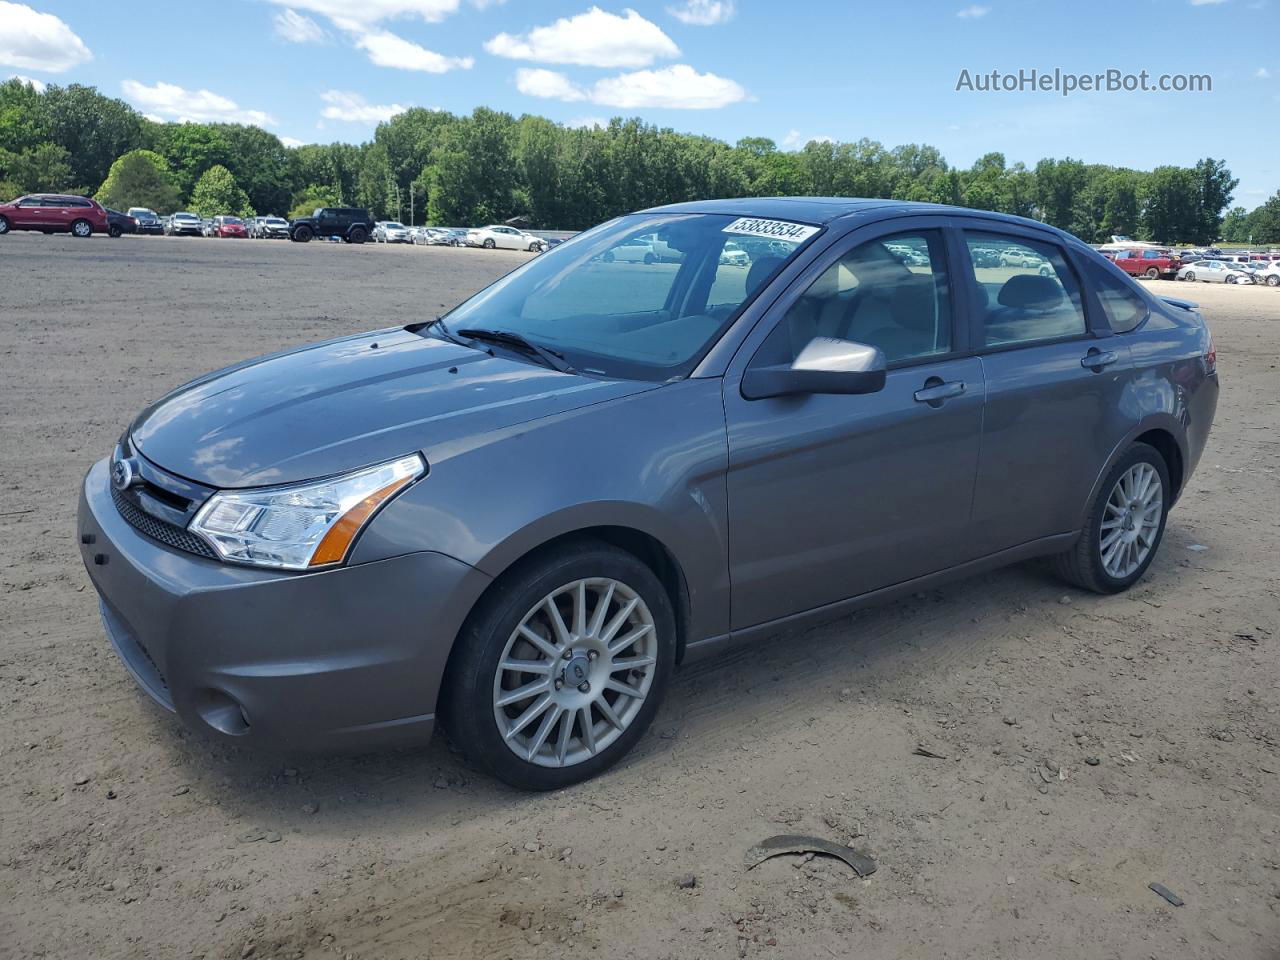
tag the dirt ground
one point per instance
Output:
(1154, 717)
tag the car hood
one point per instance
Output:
(339, 405)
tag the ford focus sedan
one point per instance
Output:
(516, 520)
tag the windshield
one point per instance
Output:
(141, 212)
(392, 225)
(233, 220)
(641, 297)
(274, 221)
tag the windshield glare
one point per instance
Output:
(641, 297)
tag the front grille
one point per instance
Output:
(157, 529)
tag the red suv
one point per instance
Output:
(53, 213)
(228, 227)
(1146, 262)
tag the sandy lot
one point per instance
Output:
(123, 836)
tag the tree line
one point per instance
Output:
(426, 166)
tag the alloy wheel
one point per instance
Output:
(1131, 521)
(575, 672)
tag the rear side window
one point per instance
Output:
(1124, 308)
(1028, 294)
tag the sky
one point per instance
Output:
(325, 70)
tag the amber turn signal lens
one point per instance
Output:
(333, 548)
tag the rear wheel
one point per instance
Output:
(607, 256)
(81, 228)
(302, 235)
(4, 226)
(650, 258)
(489, 244)
(357, 235)
(1152, 273)
(1124, 527)
(1272, 281)
(561, 668)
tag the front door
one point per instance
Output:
(831, 496)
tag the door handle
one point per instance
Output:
(935, 391)
(1097, 359)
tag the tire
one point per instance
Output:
(1272, 281)
(1152, 273)
(608, 256)
(1190, 276)
(114, 232)
(489, 244)
(302, 235)
(650, 259)
(4, 226)
(493, 635)
(1228, 279)
(357, 235)
(1085, 564)
(81, 228)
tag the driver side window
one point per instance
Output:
(890, 292)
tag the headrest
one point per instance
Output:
(1031, 291)
(912, 305)
(761, 269)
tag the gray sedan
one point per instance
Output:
(520, 518)
(1215, 271)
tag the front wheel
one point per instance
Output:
(302, 235)
(1152, 273)
(4, 226)
(560, 669)
(1190, 277)
(81, 228)
(489, 244)
(1124, 526)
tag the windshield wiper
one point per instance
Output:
(552, 358)
(440, 327)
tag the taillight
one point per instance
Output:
(1211, 356)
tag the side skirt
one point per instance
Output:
(1045, 546)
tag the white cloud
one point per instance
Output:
(296, 28)
(591, 39)
(587, 123)
(368, 12)
(547, 84)
(703, 13)
(353, 108)
(1206, 3)
(385, 49)
(1263, 73)
(679, 87)
(973, 12)
(38, 41)
(37, 85)
(795, 141)
(292, 142)
(171, 102)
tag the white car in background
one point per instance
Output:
(1215, 271)
(502, 237)
(734, 255)
(391, 231)
(635, 250)
(1270, 274)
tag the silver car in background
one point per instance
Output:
(519, 518)
(1215, 271)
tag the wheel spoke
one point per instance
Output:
(522, 693)
(545, 646)
(557, 622)
(544, 729)
(606, 711)
(631, 663)
(623, 688)
(602, 609)
(580, 608)
(525, 666)
(530, 715)
(618, 620)
(566, 735)
(587, 726)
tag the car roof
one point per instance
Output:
(824, 210)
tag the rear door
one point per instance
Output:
(831, 497)
(1055, 376)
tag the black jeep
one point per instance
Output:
(351, 224)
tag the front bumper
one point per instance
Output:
(348, 656)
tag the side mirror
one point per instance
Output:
(825, 365)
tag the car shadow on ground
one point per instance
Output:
(860, 661)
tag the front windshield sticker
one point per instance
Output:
(772, 229)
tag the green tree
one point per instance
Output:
(45, 167)
(191, 149)
(93, 129)
(1171, 207)
(1214, 185)
(311, 199)
(1235, 225)
(1264, 222)
(140, 178)
(217, 193)
(259, 162)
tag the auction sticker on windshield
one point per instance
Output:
(772, 229)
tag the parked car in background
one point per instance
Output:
(634, 250)
(439, 237)
(349, 224)
(54, 213)
(119, 223)
(148, 220)
(1270, 274)
(227, 226)
(183, 224)
(502, 237)
(391, 231)
(733, 255)
(1149, 262)
(516, 519)
(271, 228)
(1215, 271)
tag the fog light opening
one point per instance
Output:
(223, 712)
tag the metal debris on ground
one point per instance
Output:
(922, 751)
(1165, 892)
(862, 864)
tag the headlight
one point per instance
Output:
(301, 526)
